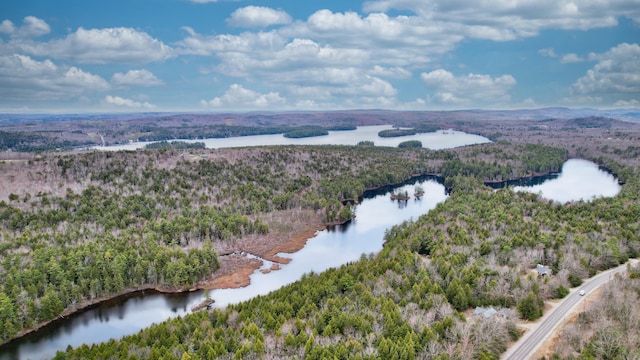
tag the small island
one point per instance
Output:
(177, 145)
(418, 191)
(396, 133)
(410, 144)
(342, 127)
(400, 196)
(306, 131)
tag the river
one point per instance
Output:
(329, 248)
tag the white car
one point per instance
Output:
(581, 293)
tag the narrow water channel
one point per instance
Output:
(376, 213)
(329, 248)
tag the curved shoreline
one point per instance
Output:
(238, 277)
(89, 304)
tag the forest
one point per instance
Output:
(77, 228)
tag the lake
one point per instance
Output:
(442, 139)
(578, 180)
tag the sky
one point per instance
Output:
(292, 55)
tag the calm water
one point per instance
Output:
(579, 179)
(329, 248)
(436, 140)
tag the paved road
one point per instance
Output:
(533, 339)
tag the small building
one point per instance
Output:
(484, 312)
(543, 270)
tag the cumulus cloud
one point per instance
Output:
(237, 97)
(327, 39)
(7, 27)
(446, 88)
(398, 41)
(23, 78)
(136, 78)
(616, 75)
(31, 27)
(100, 46)
(395, 72)
(512, 19)
(127, 103)
(258, 16)
(570, 58)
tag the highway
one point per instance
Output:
(527, 345)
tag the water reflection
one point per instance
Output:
(343, 244)
(333, 247)
(579, 180)
(434, 140)
(329, 248)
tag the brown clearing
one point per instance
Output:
(236, 267)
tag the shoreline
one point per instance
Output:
(236, 277)
(88, 304)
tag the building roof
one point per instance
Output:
(485, 312)
(543, 270)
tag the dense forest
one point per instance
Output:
(411, 300)
(126, 220)
(77, 228)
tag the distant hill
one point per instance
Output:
(42, 132)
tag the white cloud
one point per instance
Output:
(32, 26)
(395, 72)
(583, 100)
(7, 27)
(564, 59)
(632, 103)
(127, 103)
(100, 46)
(393, 41)
(503, 20)
(237, 97)
(23, 78)
(616, 76)
(136, 78)
(548, 52)
(570, 58)
(446, 88)
(258, 16)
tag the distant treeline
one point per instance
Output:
(306, 131)
(410, 144)
(28, 142)
(178, 145)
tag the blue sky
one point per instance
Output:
(212, 56)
